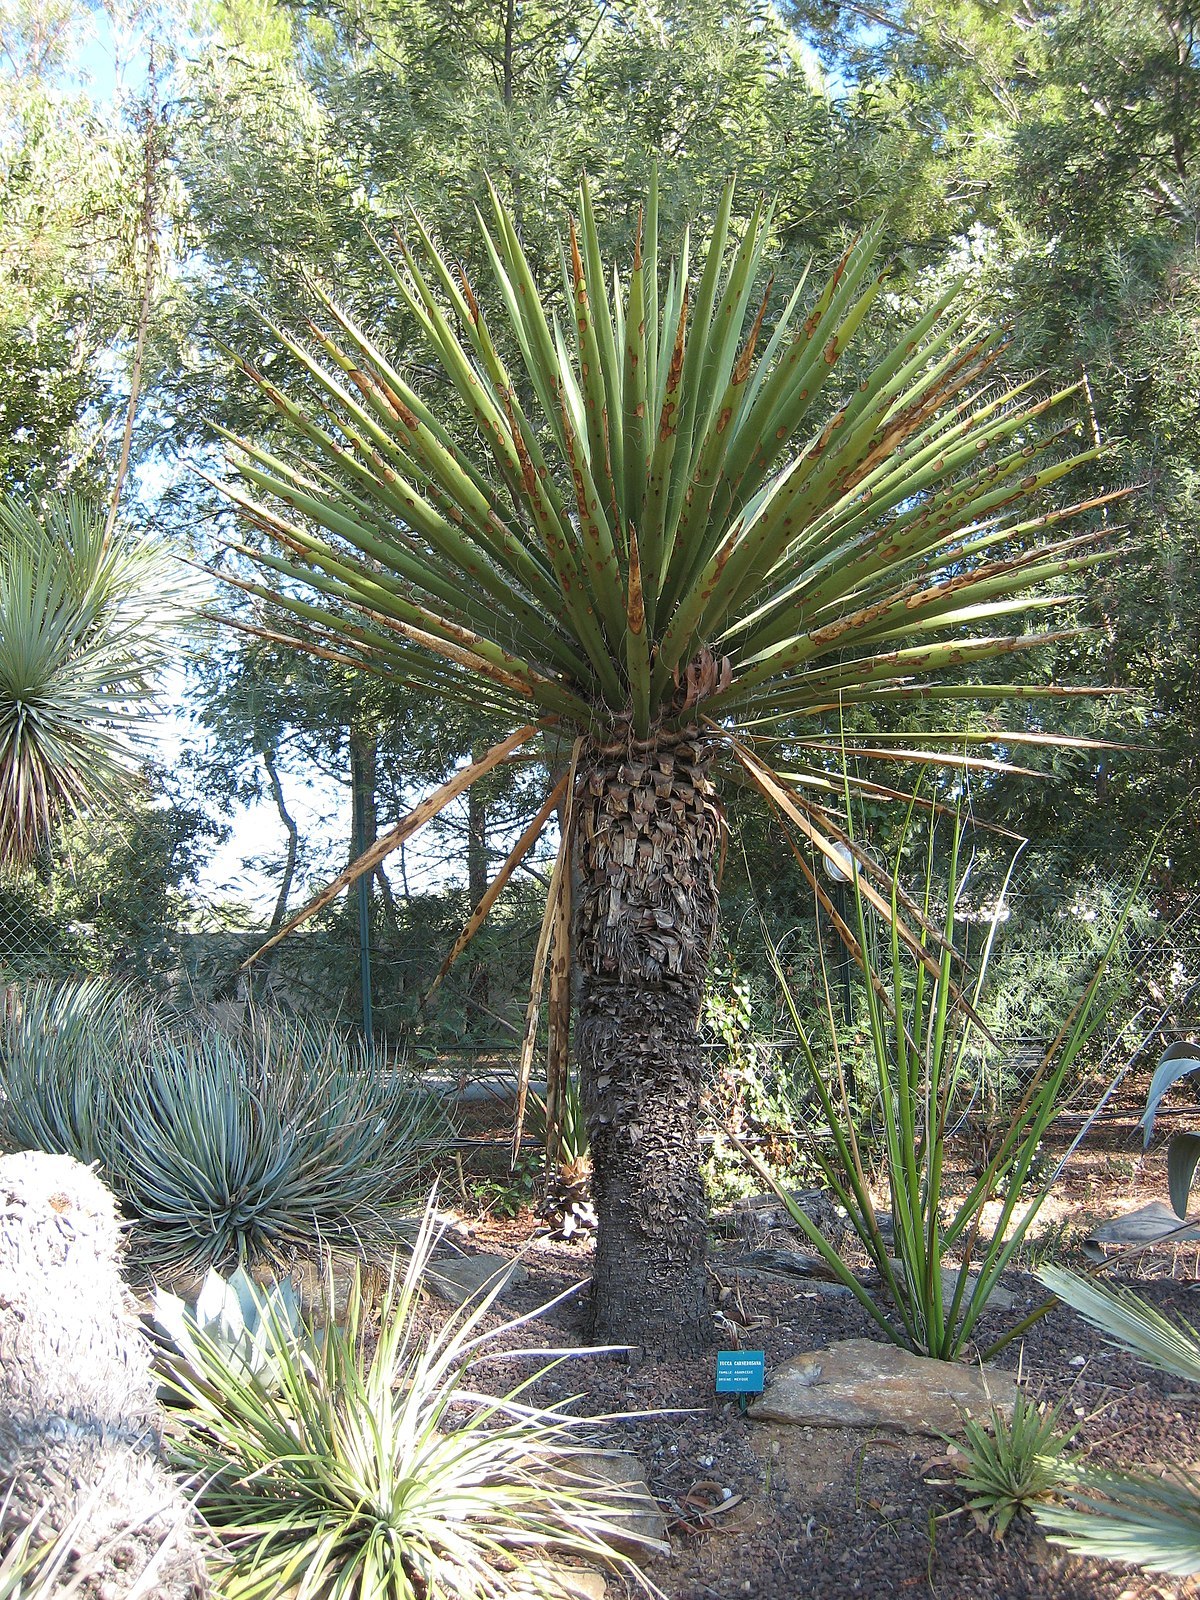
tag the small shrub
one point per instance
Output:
(376, 1469)
(943, 1256)
(221, 1148)
(508, 1195)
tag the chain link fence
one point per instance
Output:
(203, 959)
(1054, 929)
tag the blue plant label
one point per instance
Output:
(741, 1371)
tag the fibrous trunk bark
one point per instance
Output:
(648, 832)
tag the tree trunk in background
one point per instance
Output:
(364, 817)
(477, 882)
(364, 830)
(293, 844)
(645, 919)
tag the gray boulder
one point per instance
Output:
(858, 1383)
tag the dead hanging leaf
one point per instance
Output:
(518, 853)
(417, 818)
(561, 872)
(703, 677)
(786, 803)
(558, 1043)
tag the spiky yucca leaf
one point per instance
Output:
(84, 631)
(1012, 1462)
(373, 1466)
(611, 519)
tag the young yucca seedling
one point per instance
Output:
(566, 1203)
(1012, 1464)
(372, 1468)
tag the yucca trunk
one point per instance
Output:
(646, 915)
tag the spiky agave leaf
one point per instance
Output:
(84, 631)
(633, 505)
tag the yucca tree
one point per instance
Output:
(86, 627)
(647, 516)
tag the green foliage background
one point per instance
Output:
(1046, 150)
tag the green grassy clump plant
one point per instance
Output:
(373, 1466)
(937, 1267)
(222, 1148)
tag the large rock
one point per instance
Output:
(79, 1440)
(860, 1384)
(1147, 1225)
(461, 1279)
(550, 1580)
(1000, 1299)
(628, 1502)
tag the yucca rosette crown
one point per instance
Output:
(662, 496)
(87, 619)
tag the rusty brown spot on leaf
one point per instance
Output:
(469, 296)
(741, 370)
(636, 602)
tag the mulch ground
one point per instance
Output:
(787, 1513)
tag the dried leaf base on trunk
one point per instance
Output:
(645, 920)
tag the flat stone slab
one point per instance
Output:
(1000, 1298)
(634, 1509)
(460, 1279)
(790, 1263)
(1146, 1225)
(549, 1580)
(858, 1383)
